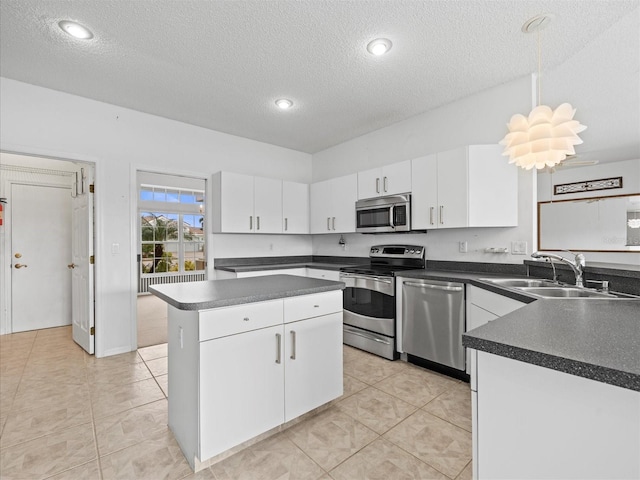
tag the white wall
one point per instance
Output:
(478, 119)
(40, 121)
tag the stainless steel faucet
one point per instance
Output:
(577, 265)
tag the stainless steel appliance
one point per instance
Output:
(433, 321)
(384, 214)
(370, 299)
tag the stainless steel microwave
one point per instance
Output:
(384, 214)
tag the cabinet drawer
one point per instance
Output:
(220, 322)
(323, 274)
(307, 306)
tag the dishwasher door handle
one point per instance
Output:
(433, 287)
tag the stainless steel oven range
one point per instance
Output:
(370, 297)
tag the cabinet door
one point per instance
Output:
(295, 207)
(453, 193)
(267, 205)
(320, 206)
(424, 192)
(241, 388)
(396, 178)
(370, 183)
(313, 368)
(236, 203)
(344, 192)
(493, 188)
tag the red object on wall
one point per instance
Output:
(1, 214)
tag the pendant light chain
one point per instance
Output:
(539, 70)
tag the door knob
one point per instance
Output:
(71, 265)
(19, 265)
(18, 255)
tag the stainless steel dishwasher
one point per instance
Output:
(433, 321)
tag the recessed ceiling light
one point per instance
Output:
(379, 46)
(75, 30)
(284, 103)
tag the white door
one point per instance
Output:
(41, 251)
(319, 211)
(267, 198)
(424, 192)
(369, 183)
(313, 368)
(396, 178)
(237, 203)
(82, 292)
(344, 193)
(241, 388)
(295, 207)
(453, 188)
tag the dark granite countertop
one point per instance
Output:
(593, 338)
(236, 291)
(283, 266)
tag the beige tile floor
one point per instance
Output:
(68, 415)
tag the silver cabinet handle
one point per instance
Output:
(431, 215)
(377, 185)
(278, 348)
(293, 345)
(333, 220)
(250, 222)
(245, 319)
(328, 223)
(286, 224)
(258, 223)
(441, 214)
(384, 183)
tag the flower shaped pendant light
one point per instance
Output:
(546, 136)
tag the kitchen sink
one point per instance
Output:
(521, 282)
(565, 292)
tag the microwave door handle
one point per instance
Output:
(391, 213)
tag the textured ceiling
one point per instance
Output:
(222, 64)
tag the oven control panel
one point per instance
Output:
(397, 251)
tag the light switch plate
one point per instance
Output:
(519, 248)
(462, 247)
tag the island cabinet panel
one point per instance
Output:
(313, 369)
(297, 308)
(535, 422)
(241, 388)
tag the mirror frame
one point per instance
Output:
(574, 200)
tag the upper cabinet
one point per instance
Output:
(248, 204)
(388, 180)
(333, 205)
(471, 186)
(295, 207)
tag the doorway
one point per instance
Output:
(170, 245)
(47, 237)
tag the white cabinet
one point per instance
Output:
(246, 204)
(472, 186)
(483, 307)
(224, 274)
(323, 274)
(240, 376)
(237, 372)
(333, 205)
(295, 207)
(536, 422)
(388, 180)
(313, 356)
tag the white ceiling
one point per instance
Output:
(222, 64)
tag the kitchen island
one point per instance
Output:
(556, 391)
(247, 356)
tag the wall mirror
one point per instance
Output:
(596, 224)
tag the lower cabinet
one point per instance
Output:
(241, 388)
(313, 358)
(237, 372)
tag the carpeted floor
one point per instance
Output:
(152, 320)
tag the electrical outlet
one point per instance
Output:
(462, 247)
(519, 248)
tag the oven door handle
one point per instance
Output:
(367, 336)
(368, 277)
